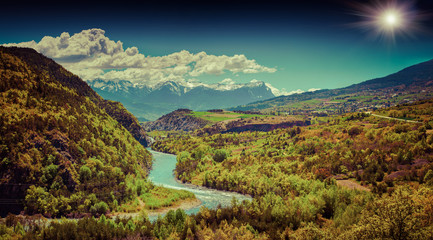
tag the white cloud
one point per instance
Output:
(276, 91)
(87, 73)
(90, 54)
(299, 91)
(227, 81)
(87, 43)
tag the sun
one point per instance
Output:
(391, 20)
(387, 19)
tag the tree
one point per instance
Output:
(428, 178)
(399, 216)
(354, 131)
(38, 200)
(99, 208)
(220, 155)
(85, 173)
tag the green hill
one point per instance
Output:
(410, 84)
(63, 149)
(354, 176)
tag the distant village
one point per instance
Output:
(364, 101)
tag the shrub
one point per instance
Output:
(428, 178)
(354, 131)
(85, 173)
(220, 155)
(99, 208)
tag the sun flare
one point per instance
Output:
(391, 20)
(387, 19)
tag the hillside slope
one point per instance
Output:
(179, 120)
(410, 80)
(59, 147)
(219, 121)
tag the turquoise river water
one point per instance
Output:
(162, 174)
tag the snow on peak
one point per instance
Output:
(283, 91)
(111, 85)
(181, 87)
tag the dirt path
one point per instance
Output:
(351, 185)
(398, 119)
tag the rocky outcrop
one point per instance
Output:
(184, 120)
(266, 127)
(179, 120)
(243, 126)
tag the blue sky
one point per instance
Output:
(310, 44)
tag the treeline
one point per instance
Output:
(404, 214)
(421, 111)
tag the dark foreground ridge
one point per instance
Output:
(62, 147)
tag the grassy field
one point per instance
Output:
(223, 116)
(156, 198)
(160, 197)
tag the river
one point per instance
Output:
(162, 174)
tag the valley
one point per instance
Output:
(163, 174)
(349, 163)
(216, 120)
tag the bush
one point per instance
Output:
(85, 173)
(99, 208)
(220, 155)
(354, 131)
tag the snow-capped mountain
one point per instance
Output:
(151, 102)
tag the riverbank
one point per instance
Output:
(192, 186)
(185, 204)
(162, 175)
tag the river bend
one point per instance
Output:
(162, 173)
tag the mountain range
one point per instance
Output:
(149, 103)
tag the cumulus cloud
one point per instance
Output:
(227, 81)
(87, 43)
(90, 54)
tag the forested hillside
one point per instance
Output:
(373, 150)
(300, 177)
(61, 148)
